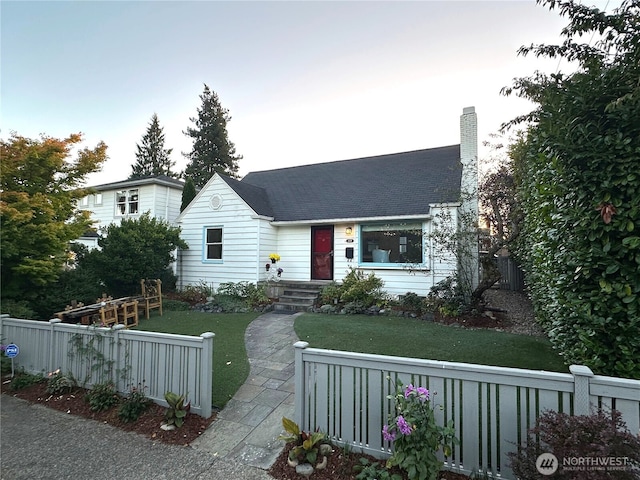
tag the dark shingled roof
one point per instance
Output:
(159, 179)
(383, 186)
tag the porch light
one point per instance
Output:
(348, 230)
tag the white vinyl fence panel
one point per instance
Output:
(159, 362)
(344, 394)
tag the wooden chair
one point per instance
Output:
(108, 315)
(128, 313)
(151, 295)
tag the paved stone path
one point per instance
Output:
(247, 429)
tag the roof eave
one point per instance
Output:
(324, 221)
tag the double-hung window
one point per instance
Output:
(392, 243)
(127, 202)
(213, 244)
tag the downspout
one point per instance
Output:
(257, 261)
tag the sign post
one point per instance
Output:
(12, 351)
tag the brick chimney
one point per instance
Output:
(469, 183)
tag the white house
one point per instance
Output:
(373, 214)
(161, 196)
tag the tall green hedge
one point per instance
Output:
(579, 186)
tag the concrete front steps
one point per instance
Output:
(297, 296)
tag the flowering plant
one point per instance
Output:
(274, 257)
(415, 434)
(280, 271)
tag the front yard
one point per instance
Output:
(409, 337)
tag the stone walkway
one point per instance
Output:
(247, 429)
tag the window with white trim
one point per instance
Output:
(213, 243)
(97, 199)
(391, 243)
(84, 201)
(127, 202)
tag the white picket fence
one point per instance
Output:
(159, 362)
(344, 394)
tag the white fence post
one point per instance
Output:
(52, 343)
(300, 393)
(206, 374)
(119, 366)
(581, 378)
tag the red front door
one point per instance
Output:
(322, 253)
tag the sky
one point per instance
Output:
(304, 82)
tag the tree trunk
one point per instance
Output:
(490, 275)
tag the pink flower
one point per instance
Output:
(403, 426)
(410, 388)
(423, 393)
(387, 435)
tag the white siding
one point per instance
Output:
(293, 244)
(294, 248)
(160, 201)
(240, 244)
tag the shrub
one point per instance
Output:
(194, 294)
(357, 292)
(59, 383)
(134, 405)
(247, 293)
(18, 309)
(102, 396)
(595, 436)
(330, 294)
(412, 302)
(358, 287)
(446, 297)
(24, 380)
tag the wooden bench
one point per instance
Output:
(151, 295)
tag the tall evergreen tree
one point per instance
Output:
(152, 158)
(212, 151)
(188, 193)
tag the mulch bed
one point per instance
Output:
(147, 425)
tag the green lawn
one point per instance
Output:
(230, 364)
(414, 338)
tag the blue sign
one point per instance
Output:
(11, 350)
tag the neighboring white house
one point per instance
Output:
(161, 196)
(373, 214)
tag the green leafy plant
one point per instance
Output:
(24, 380)
(102, 396)
(58, 383)
(415, 434)
(245, 294)
(597, 435)
(194, 294)
(306, 448)
(177, 410)
(578, 186)
(5, 362)
(447, 298)
(89, 350)
(134, 405)
(175, 305)
(368, 470)
(411, 302)
(358, 290)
